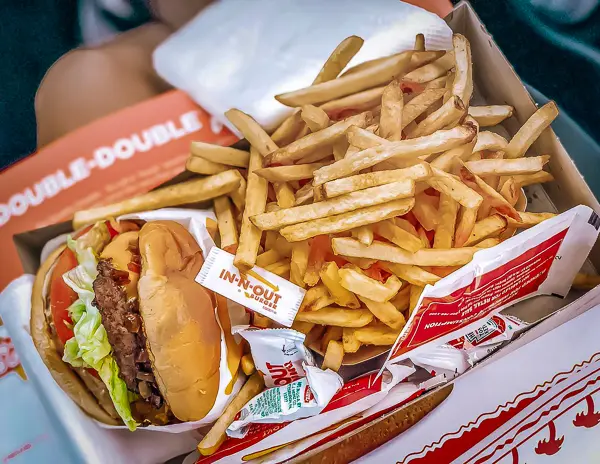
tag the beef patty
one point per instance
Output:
(121, 319)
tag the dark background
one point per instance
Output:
(35, 33)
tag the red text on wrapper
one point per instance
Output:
(283, 374)
(516, 279)
(268, 298)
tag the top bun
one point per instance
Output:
(183, 336)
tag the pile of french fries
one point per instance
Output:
(380, 182)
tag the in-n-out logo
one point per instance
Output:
(102, 157)
(283, 373)
(268, 297)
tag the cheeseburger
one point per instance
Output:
(123, 327)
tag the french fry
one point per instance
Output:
(341, 317)
(218, 154)
(531, 130)
(420, 43)
(339, 59)
(314, 335)
(361, 101)
(407, 226)
(417, 172)
(404, 149)
(414, 275)
(340, 148)
(433, 70)
(333, 356)
(288, 130)
(258, 320)
(331, 333)
(444, 233)
(303, 327)
(270, 240)
(426, 211)
(508, 167)
(386, 313)
(304, 194)
(510, 191)
(488, 227)
(393, 254)
(238, 196)
(247, 363)
(392, 103)
(338, 205)
(402, 299)
(358, 283)
(491, 141)
(530, 179)
(226, 222)
(289, 173)
(360, 80)
(415, 294)
(419, 104)
(280, 268)
(212, 227)
(363, 139)
(490, 115)
(495, 199)
(379, 335)
(216, 435)
(331, 279)
(398, 236)
(317, 140)
(364, 234)
(489, 242)
(256, 199)
(204, 166)
(529, 219)
(462, 86)
(323, 154)
(299, 262)
(585, 281)
(417, 60)
(450, 185)
(192, 191)
(445, 161)
(452, 110)
(449, 84)
(349, 341)
(361, 263)
(346, 221)
(285, 195)
(267, 258)
(252, 131)
(315, 118)
(466, 222)
(283, 247)
(316, 297)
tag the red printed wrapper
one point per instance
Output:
(347, 406)
(542, 260)
(278, 354)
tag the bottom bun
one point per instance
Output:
(62, 373)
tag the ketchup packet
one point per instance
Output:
(258, 290)
(455, 357)
(305, 397)
(278, 354)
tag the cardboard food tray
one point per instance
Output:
(497, 83)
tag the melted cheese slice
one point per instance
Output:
(118, 252)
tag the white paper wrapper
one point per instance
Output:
(239, 53)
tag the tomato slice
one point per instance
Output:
(62, 296)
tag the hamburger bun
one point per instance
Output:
(63, 374)
(182, 332)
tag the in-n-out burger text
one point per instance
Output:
(102, 158)
(258, 292)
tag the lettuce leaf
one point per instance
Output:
(89, 347)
